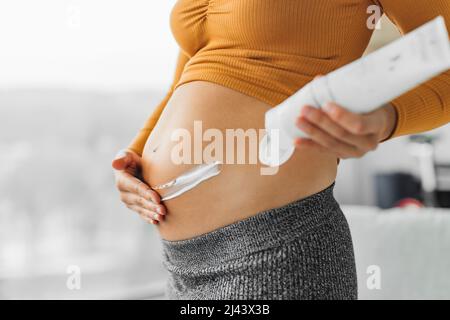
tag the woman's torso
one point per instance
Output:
(240, 190)
(247, 56)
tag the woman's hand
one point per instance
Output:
(344, 133)
(136, 195)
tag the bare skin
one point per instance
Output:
(240, 191)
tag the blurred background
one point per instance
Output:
(78, 77)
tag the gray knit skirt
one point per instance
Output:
(302, 250)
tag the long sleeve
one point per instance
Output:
(428, 106)
(138, 143)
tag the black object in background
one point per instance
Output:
(443, 191)
(390, 188)
(443, 198)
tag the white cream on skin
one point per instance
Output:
(188, 180)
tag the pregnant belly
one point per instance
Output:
(201, 123)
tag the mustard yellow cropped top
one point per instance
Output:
(269, 49)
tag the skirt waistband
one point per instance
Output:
(265, 230)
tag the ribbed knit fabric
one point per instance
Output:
(269, 49)
(300, 251)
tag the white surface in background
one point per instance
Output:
(99, 44)
(410, 246)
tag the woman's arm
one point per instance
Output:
(428, 106)
(138, 143)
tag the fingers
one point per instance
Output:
(138, 197)
(126, 159)
(122, 160)
(147, 215)
(132, 199)
(127, 183)
(355, 123)
(149, 211)
(341, 149)
(321, 120)
(136, 194)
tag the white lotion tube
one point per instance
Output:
(361, 86)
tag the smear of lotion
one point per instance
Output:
(188, 180)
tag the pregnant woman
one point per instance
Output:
(242, 234)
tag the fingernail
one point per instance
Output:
(160, 210)
(328, 107)
(302, 119)
(305, 111)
